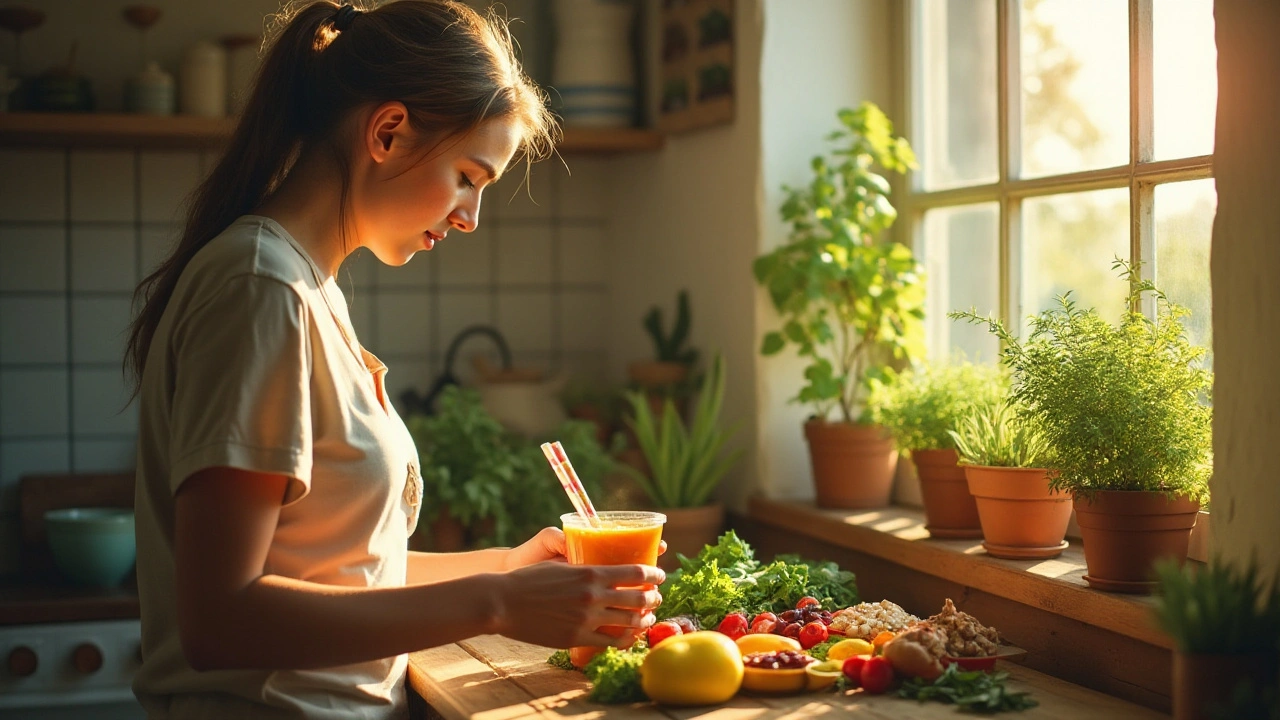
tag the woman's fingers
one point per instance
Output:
(639, 599)
(629, 575)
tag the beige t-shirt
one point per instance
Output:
(254, 365)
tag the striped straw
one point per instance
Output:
(570, 482)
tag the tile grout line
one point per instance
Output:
(68, 357)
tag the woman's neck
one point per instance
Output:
(306, 205)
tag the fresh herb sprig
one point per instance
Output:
(972, 690)
(560, 659)
(615, 675)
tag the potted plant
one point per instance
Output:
(484, 485)
(850, 304)
(1225, 625)
(1121, 409)
(672, 360)
(1005, 459)
(919, 408)
(686, 464)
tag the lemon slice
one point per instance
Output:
(846, 649)
(822, 675)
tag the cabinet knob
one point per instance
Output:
(87, 658)
(23, 661)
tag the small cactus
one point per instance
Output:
(669, 348)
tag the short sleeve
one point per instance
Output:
(242, 367)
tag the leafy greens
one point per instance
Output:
(615, 675)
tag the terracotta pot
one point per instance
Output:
(649, 373)
(853, 465)
(688, 530)
(1202, 681)
(1125, 532)
(1021, 518)
(948, 507)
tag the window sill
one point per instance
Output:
(897, 534)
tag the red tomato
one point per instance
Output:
(806, 601)
(792, 630)
(812, 634)
(764, 616)
(852, 669)
(763, 625)
(734, 625)
(877, 675)
(663, 630)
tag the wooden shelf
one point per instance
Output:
(181, 131)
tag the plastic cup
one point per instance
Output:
(623, 538)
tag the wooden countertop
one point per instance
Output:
(49, 601)
(493, 678)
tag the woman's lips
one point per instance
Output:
(429, 239)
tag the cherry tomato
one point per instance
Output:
(686, 623)
(734, 625)
(764, 616)
(663, 630)
(792, 630)
(763, 625)
(812, 634)
(852, 669)
(877, 675)
(806, 601)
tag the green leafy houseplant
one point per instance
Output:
(848, 300)
(1225, 624)
(923, 405)
(1217, 609)
(1119, 405)
(686, 462)
(490, 480)
(993, 435)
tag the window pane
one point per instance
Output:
(1186, 78)
(1184, 224)
(958, 84)
(1069, 243)
(1075, 85)
(962, 265)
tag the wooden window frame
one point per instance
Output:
(1140, 175)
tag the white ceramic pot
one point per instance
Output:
(532, 409)
(203, 86)
(594, 69)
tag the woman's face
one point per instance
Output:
(404, 201)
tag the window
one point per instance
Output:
(1055, 136)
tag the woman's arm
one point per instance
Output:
(231, 615)
(436, 567)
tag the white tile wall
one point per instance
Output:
(79, 229)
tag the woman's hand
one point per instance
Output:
(555, 604)
(547, 545)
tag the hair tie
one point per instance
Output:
(343, 18)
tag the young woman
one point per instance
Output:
(277, 486)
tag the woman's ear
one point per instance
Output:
(387, 127)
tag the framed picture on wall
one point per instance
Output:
(696, 80)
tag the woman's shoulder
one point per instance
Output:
(253, 245)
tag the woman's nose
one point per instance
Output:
(465, 218)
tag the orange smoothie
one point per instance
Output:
(624, 538)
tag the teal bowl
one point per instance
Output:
(93, 547)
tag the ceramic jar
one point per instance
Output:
(203, 84)
(150, 92)
(594, 69)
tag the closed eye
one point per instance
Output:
(465, 181)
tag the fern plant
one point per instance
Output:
(921, 406)
(993, 435)
(1217, 609)
(850, 302)
(1123, 407)
(686, 463)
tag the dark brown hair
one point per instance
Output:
(452, 68)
